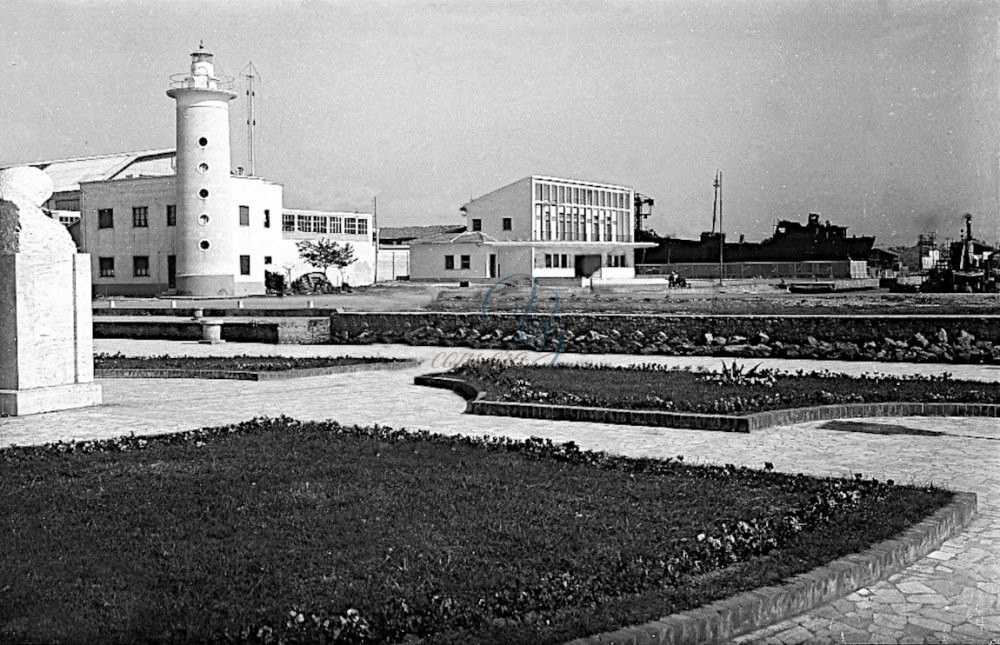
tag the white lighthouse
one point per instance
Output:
(207, 219)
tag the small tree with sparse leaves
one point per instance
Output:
(325, 253)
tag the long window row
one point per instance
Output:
(565, 261)
(573, 223)
(292, 222)
(140, 217)
(581, 196)
(140, 265)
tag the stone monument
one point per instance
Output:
(46, 330)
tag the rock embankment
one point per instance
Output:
(911, 339)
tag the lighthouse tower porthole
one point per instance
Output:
(204, 245)
(203, 167)
(203, 142)
(203, 219)
(203, 193)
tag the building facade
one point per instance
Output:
(342, 227)
(550, 228)
(394, 247)
(131, 229)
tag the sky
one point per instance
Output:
(882, 116)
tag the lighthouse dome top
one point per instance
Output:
(202, 75)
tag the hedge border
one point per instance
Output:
(759, 608)
(272, 375)
(475, 404)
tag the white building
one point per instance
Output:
(344, 228)
(546, 227)
(181, 221)
(131, 229)
(394, 247)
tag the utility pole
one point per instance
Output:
(722, 236)
(375, 236)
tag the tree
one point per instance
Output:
(325, 253)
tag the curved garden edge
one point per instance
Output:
(759, 608)
(693, 421)
(273, 375)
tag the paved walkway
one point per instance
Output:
(952, 595)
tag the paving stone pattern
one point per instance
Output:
(952, 595)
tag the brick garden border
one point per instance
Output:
(475, 404)
(270, 375)
(748, 611)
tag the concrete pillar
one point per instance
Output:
(46, 324)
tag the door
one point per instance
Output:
(171, 271)
(493, 265)
(587, 265)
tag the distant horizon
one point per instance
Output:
(881, 117)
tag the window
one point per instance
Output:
(449, 262)
(244, 216)
(319, 223)
(244, 265)
(362, 226)
(267, 218)
(477, 225)
(336, 225)
(616, 260)
(140, 217)
(106, 218)
(171, 215)
(507, 224)
(67, 204)
(107, 267)
(350, 226)
(287, 222)
(268, 260)
(466, 262)
(140, 266)
(306, 223)
(556, 261)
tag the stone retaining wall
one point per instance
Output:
(937, 339)
(284, 331)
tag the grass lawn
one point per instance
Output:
(232, 533)
(734, 391)
(240, 363)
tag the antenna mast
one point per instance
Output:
(715, 199)
(722, 236)
(251, 74)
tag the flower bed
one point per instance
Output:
(276, 529)
(241, 363)
(733, 391)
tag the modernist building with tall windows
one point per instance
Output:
(547, 227)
